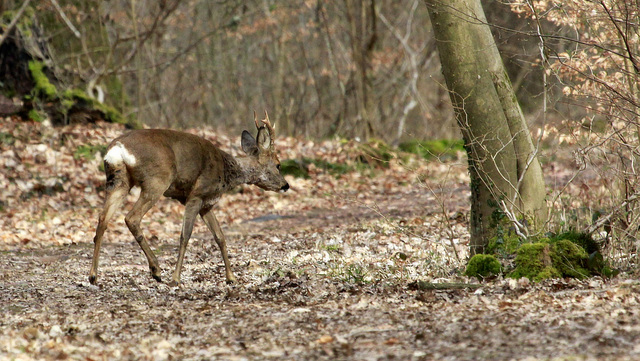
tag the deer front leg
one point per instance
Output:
(134, 217)
(192, 207)
(210, 220)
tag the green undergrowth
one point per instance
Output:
(299, 168)
(46, 94)
(36, 115)
(374, 154)
(7, 139)
(89, 151)
(442, 149)
(570, 254)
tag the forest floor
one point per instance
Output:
(326, 271)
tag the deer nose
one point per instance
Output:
(285, 187)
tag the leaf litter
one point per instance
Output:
(324, 271)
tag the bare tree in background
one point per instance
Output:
(595, 61)
(361, 68)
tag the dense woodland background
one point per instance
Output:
(322, 68)
(365, 69)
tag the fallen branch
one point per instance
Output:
(423, 285)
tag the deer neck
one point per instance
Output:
(244, 171)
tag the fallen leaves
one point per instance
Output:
(324, 271)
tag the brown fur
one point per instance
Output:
(189, 169)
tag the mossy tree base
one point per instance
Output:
(569, 254)
(31, 89)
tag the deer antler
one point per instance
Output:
(267, 123)
(255, 119)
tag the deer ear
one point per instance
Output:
(249, 144)
(263, 139)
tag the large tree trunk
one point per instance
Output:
(505, 173)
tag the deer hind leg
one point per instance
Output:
(148, 197)
(212, 223)
(192, 207)
(114, 199)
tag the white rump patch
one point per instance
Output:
(118, 154)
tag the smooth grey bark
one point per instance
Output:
(505, 172)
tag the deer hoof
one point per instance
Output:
(174, 283)
(156, 277)
(93, 279)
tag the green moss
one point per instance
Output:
(482, 266)
(75, 96)
(569, 258)
(588, 260)
(532, 259)
(24, 23)
(442, 149)
(66, 105)
(582, 239)
(36, 115)
(559, 257)
(111, 114)
(547, 273)
(570, 254)
(42, 85)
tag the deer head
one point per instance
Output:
(265, 170)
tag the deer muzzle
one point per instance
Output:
(284, 188)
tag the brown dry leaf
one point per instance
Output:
(326, 264)
(325, 339)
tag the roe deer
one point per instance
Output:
(189, 169)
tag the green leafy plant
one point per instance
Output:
(88, 151)
(7, 138)
(356, 274)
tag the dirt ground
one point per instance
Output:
(327, 271)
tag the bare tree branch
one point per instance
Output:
(14, 21)
(66, 20)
